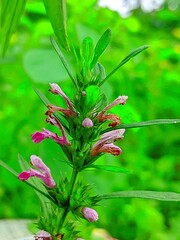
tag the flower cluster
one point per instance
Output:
(82, 142)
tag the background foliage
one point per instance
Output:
(151, 80)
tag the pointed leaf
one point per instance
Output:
(101, 46)
(87, 50)
(56, 11)
(161, 196)
(63, 60)
(10, 15)
(111, 168)
(125, 60)
(145, 124)
(47, 102)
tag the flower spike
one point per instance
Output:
(42, 172)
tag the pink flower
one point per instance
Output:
(114, 118)
(90, 214)
(37, 137)
(105, 144)
(43, 235)
(42, 173)
(57, 90)
(87, 123)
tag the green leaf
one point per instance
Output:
(92, 95)
(161, 196)
(43, 66)
(56, 11)
(101, 46)
(111, 168)
(145, 124)
(10, 15)
(63, 60)
(87, 50)
(125, 60)
(4, 165)
(47, 102)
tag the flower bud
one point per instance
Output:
(87, 123)
(43, 235)
(90, 214)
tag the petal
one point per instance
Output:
(57, 90)
(112, 117)
(87, 123)
(37, 137)
(120, 100)
(90, 214)
(24, 176)
(110, 148)
(38, 163)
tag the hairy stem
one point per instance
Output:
(66, 210)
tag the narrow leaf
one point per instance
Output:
(145, 124)
(63, 60)
(56, 11)
(4, 165)
(10, 15)
(111, 168)
(87, 50)
(101, 46)
(161, 196)
(125, 60)
(47, 102)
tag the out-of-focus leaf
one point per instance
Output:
(63, 60)
(111, 168)
(4, 165)
(56, 11)
(145, 124)
(161, 196)
(125, 60)
(43, 66)
(10, 13)
(101, 46)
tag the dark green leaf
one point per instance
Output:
(145, 124)
(125, 60)
(101, 46)
(10, 14)
(161, 196)
(111, 168)
(56, 11)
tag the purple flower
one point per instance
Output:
(37, 137)
(105, 144)
(43, 235)
(42, 172)
(112, 117)
(87, 123)
(90, 214)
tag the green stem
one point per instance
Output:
(66, 210)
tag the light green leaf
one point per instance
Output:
(145, 124)
(43, 66)
(125, 60)
(4, 165)
(56, 11)
(111, 168)
(10, 15)
(101, 46)
(63, 60)
(161, 196)
(87, 50)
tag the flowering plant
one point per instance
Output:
(87, 130)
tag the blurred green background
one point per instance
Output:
(151, 80)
